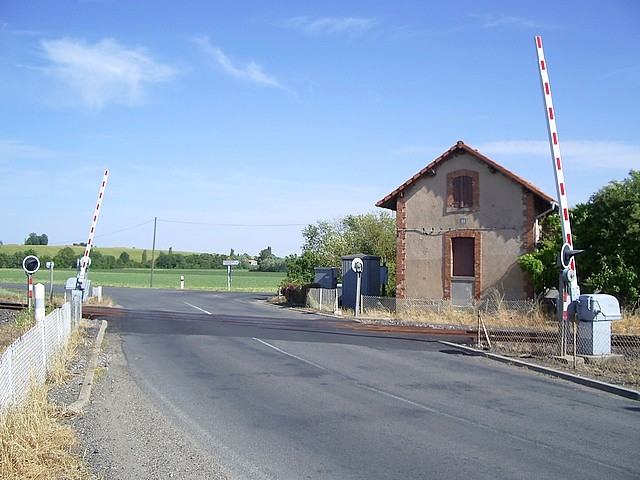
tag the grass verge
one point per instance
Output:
(34, 444)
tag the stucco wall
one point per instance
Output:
(499, 217)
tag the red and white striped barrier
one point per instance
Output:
(85, 260)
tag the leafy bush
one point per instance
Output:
(294, 293)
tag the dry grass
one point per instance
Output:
(103, 302)
(34, 444)
(59, 368)
(11, 331)
(629, 325)
(502, 317)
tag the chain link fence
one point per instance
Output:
(609, 351)
(323, 299)
(29, 357)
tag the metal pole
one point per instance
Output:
(153, 249)
(29, 290)
(358, 286)
(50, 265)
(228, 277)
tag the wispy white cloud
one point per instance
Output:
(330, 25)
(13, 149)
(496, 21)
(104, 72)
(250, 72)
(588, 154)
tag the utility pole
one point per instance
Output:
(153, 249)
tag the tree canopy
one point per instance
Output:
(607, 227)
(35, 239)
(326, 242)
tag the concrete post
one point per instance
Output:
(39, 313)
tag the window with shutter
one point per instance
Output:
(463, 192)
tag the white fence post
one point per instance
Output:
(39, 302)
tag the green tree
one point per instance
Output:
(300, 268)
(272, 264)
(329, 241)
(264, 254)
(541, 266)
(370, 234)
(35, 239)
(65, 258)
(124, 260)
(268, 262)
(607, 227)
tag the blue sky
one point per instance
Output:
(237, 123)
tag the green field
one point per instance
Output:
(242, 280)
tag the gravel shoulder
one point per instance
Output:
(121, 434)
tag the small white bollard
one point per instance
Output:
(39, 313)
(97, 292)
(181, 282)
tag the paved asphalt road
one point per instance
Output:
(274, 397)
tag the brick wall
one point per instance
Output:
(528, 237)
(401, 246)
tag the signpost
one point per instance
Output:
(30, 265)
(357, 265)
(50, 266)
(230, 263)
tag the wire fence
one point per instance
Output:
(522, 328)
(603, 349)
(323, 299)
(29, 357)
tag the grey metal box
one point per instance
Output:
(598, 307)
(326, 277)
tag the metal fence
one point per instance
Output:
(30, 356)
(523, 328)
(323, 299)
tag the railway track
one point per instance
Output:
(329, 325)
(320, 325)
(12, 306)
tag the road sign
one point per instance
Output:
(30, 264)
(357, 265)
(231, 263)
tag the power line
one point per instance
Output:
(235, 224)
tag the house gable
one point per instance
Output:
(463, 199)
(430, 170)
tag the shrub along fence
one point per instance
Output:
(29, 357)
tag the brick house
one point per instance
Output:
(462, 222)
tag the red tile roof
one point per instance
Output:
(390, 200)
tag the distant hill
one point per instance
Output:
(51, 250)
